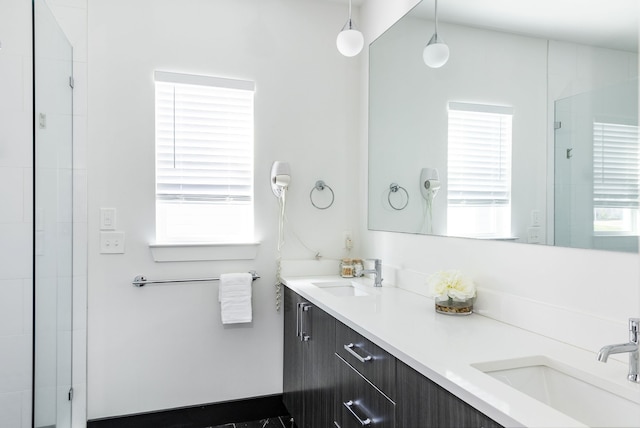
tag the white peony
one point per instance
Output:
(451, 284)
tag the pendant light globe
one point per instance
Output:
(436, 53)
(350, 41)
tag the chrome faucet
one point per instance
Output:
(377, 271)
(631, 347)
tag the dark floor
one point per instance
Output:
(263, 412)
(280, 422)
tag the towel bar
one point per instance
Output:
(142, 280)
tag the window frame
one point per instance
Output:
(188, 201)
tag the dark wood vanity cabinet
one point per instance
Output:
(334, 377)
(424, 404)
(309, 366)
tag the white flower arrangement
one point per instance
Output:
(451, 284)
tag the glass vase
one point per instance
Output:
(449, 306)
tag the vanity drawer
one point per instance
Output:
(359, 403)
(373, 362)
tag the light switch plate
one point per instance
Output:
(107, 219)
(112, 242)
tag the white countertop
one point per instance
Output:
(443, 347)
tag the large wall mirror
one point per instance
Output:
(529, 133)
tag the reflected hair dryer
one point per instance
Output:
(429, 183)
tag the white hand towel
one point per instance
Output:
(235, 297)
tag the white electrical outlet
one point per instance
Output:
(533, 235)
(112, 242)
(348, 240)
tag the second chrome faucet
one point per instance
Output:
(631, 347)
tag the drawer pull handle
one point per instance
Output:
(349, 406)
(349, 349)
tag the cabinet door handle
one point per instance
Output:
(304, 307)
(349, 349)
(363, 422)
(298, 319)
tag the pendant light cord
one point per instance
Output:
(436, 19)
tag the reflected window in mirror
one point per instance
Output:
(616, 163)
(479, 170)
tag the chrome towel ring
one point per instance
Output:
(393, 188)
(320, 186)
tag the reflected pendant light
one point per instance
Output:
(350, 41)
(436, 53)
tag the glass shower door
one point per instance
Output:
(53, 239)
(597, 159)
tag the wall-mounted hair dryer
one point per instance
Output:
(280, 177)
(429, 183)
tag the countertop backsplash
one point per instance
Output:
(554, 320)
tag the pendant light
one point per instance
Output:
(350, 41)
(436, 53)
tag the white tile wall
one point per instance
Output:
(11, 307)
(12, 191)
(15, 368)
(12, 82)
(15, 135)
(15, 250)
(11, 409)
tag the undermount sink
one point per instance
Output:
(341, 288)
(588, 399)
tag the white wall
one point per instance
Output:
(559, 292)
(161, 347)
(15, 213)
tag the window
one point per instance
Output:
(615, 178)
(204, 159)
(479, 170)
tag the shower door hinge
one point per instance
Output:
(557, 125)
(71, 82)
(70, 394)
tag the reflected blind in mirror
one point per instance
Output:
(479, 155)
(615, 165)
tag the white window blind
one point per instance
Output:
(204, 157)
(616, 164)
(479, 155)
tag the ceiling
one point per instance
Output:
(606, 23)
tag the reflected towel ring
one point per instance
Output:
(393, 188)
(320, 186)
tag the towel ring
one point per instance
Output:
(320, 186)
(393, 188)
